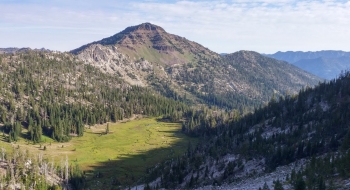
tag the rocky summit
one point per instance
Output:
(151, 42)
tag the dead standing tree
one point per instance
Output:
(3, 153)
(66, 167)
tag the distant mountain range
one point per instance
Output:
(326, 64)
(146, 55)
(18, 50)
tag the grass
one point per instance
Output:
(153, 55)
(121, 156)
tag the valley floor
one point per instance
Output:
(119, 158)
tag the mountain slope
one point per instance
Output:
(264, 75)
(55, 95)
(325, 64)
(146, 55)
(307, 135)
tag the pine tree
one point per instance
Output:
(278, 185)
(265, 187)
(299, 183)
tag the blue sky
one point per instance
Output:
(227, 26)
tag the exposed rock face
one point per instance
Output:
(109, 60)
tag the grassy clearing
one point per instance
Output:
(123, 155)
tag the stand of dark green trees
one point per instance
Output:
(307, 125)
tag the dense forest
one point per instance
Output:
(311, 125)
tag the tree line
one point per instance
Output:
(56, 95)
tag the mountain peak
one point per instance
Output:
(144, 27)
(153, 43)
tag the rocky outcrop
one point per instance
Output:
(110, 60)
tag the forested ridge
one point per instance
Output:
(313, 125)
(242, 80)
(56, 95)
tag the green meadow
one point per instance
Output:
(120, 157)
